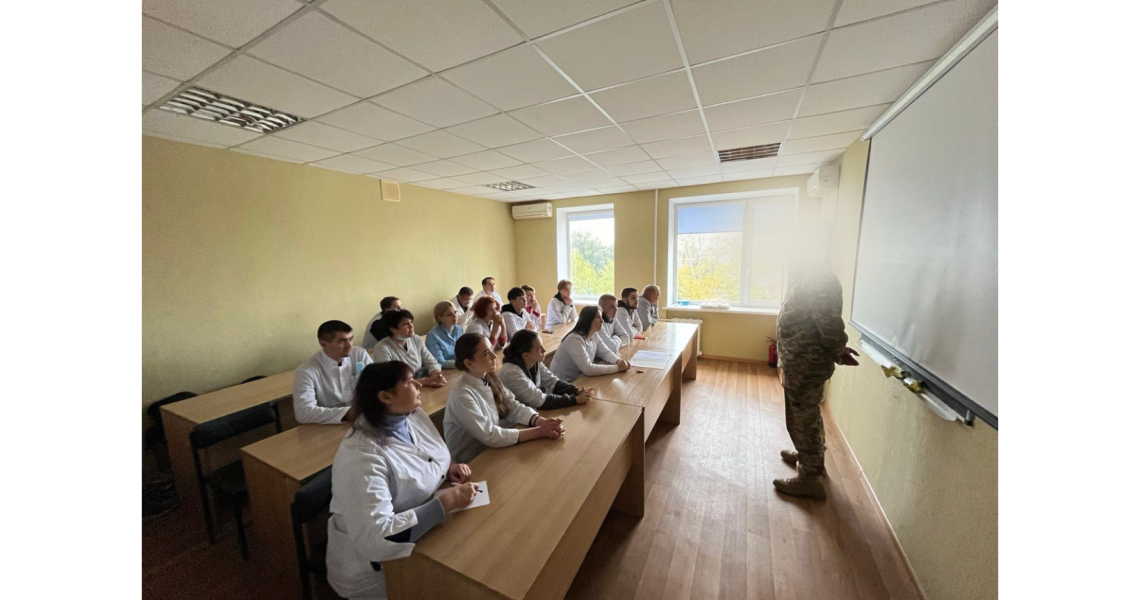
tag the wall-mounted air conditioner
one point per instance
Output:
(543, 210)
(826, 178)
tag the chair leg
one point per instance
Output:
(206, 512)
(240, 528)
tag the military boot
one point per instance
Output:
(803, 485)
(792, 457)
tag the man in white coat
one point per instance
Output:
(489, 290)
(462, 303)
(323, 385)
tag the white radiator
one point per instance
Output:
(698, 324)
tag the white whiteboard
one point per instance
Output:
(926, 279)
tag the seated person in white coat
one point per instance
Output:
(398, 341)
(608, 335)
(322, 385)
(561, 307)
(647, 305)
(628, 321)
(489, 290)
(462, 302)
(387, 304)
(481, 413)
(533, 310)
(580, 354)
(441, 339)
(384, 477)
(514, 313)
(488, 322)
(524, 373)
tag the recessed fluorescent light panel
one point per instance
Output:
(749, 152)
(212, 106)
(511, 186)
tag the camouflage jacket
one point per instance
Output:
(810, 330)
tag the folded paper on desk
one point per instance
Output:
(482, 497)
(650, 360)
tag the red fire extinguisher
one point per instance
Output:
(772, 356)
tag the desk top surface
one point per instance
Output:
(666, 336)
(227, 401)
(301, 452)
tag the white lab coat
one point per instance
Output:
(376, 485)
(575, 358)
(647, 312)
(416, 355)
(481, 327)
(471, 422)
(627, 322)
(526, 390)
(322, 389)
(465, 315)
(609, 338)
(558, 313)
(514, 323)
(494, 295)
(369, 341)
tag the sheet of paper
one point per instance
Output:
(650, 360)
(482, 497)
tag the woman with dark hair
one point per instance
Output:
(515, 317)
(441, 339)
(579, 350)
(487, 321)
(481, 413)
(384, 481)
(397, 337)
(525, 374)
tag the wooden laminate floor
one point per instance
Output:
(713, 527)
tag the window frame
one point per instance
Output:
(789, 197)
(562, 228)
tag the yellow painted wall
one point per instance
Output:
(937, 481)
(243, 257)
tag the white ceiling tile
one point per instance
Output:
(542, 182)
(168, 124)
(751, 136)
(154, 87)
(505, 196)
(617, 190)
(595, 140)
(648, 97)
(771, 70)
(700, 180)
(636, 43)
(479, 178)
(587, 175)
(395, 155)
(443, 184)
(780, 106)
(566, 188)
(691, 172)
(445, 168)
(556, 196)
(520, 172)
(540, 17)
(620, 156)
(406, 175)
(496, 131)
(472, 190)
(442, 144)
(811, 158)
(835, 141)
(756, 164)
(535, 151)
(486, 160)
(375, 122)
(241, 150)
(665, 127)
(562, 116)
(251, 80)
(282, 148)
(606, 182)
(741, 175)
(797, 170)
(352, 164)
(174, 53)
(231, 22)
(655, 185)
(715, 29)
(318, 134)
(438, 34)
(564, 165)
(317, 47)
(435, 102)
(837, 122)
(688, 161)
(532, 79)
(922, 34)
(647, 177)
(677, 147)
(637, 168)
(862, 90)
(854, 11)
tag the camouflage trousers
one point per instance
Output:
(805, 424)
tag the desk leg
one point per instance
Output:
(270, 501)
(672, 412)
(631, 496)
(185, 481)
(690, 354)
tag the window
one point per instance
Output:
(586, 249)
(729, 249)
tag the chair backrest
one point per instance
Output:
(209, 433)
(254, 378)
(153, 409)
(313, 497)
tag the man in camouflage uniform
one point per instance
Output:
(811, 340)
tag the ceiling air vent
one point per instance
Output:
(511, 186)
(213, 106)
(749, 152)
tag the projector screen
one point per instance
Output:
(926, 279)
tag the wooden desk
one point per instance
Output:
(656, 391)
(180, 418)
(548, 500)
(275, 468)
(674, 337)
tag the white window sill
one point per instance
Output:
(736, 310)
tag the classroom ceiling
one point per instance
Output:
(574, 98)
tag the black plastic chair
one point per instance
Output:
(254, 378)
(155, 437)
(228, 480)
(311, 500)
